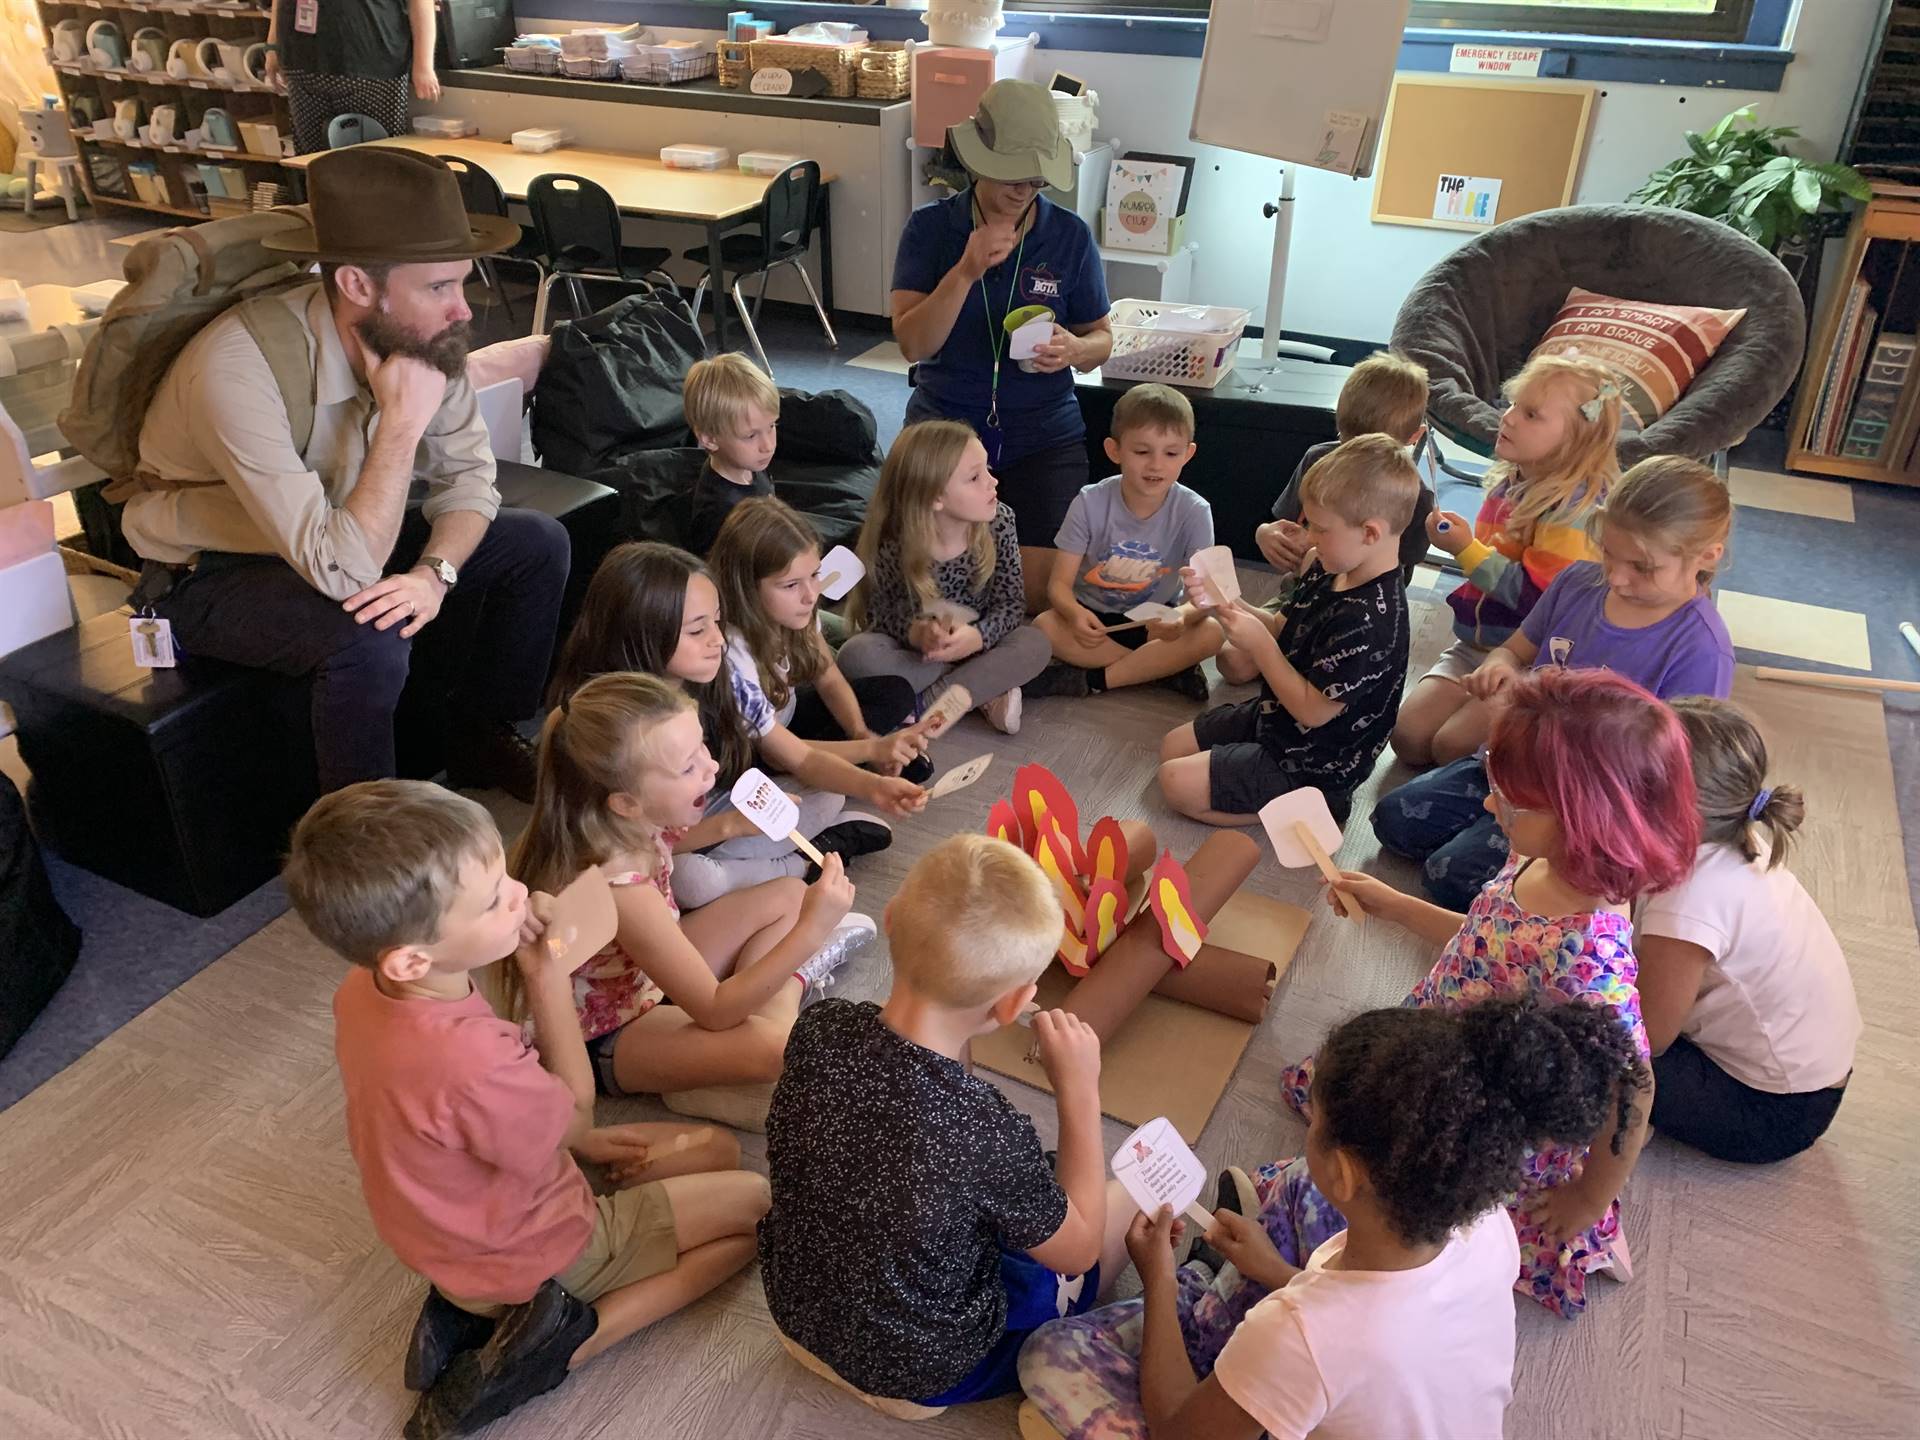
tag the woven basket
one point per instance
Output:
(885, 71)
(733, 63)
(836, 62)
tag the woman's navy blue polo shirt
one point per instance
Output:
(1058, 267)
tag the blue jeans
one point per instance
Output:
(1440, 819)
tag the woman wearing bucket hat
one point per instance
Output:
(964, 265)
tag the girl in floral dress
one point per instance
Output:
(677, 1002)
(1592, 784)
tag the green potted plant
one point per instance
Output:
(1739, 172)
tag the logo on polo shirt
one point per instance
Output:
(1040, 283)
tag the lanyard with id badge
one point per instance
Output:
(990, 433)
(306, 16)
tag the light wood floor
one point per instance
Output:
(183, 1250)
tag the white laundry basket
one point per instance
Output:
(1192, 345)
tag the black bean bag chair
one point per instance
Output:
(827, 468)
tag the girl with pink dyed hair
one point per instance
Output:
(1591, 784)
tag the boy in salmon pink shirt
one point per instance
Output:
(468, 1140)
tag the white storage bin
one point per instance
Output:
(766, 162)
(540, 140)
(449, 126)
(1192, 345)
(695, 157)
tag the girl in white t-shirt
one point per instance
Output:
(1391, 1315)
(1748, 1005)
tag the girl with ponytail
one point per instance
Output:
(1749, 1007)
(1367, 1292)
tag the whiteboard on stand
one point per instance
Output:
(1304, 81)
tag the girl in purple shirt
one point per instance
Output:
(1643, 611)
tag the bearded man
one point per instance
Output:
(309, 560)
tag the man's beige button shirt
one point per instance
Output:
(219, 424)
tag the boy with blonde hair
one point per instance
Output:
(1385, 395)
(917, 1233)
(1122, 544)
(1331, 663)
(733, 409)
(466, 1138)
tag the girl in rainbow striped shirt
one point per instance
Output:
(1554, 462)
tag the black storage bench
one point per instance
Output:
(183, 784)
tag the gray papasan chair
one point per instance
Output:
(1475, 317)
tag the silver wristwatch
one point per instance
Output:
(443, 572)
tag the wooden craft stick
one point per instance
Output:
(1200, 1215)
(1304, 834)
(806, 848)
(1828, 679)
(1130, 625)
(827, 582)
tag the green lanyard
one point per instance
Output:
(997, 334)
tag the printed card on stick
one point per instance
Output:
(1157, 1168)
(960, 777)
(954, 702)
(772, 811)
(839, 573)
(1303, 832)
(1222, 581)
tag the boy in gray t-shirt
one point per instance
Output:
(1122, 544)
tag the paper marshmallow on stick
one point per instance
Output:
(772, 811)
(1304, 832)
(583, 917)
(954, 702)
(960, 777)
(1170, 895)
(839, 573)
(1156, 1167)
(1221, 581)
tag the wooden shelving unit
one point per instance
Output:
(1882, 265)
(90, 93)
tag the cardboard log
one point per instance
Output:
(1127, 973)
(1236, 971)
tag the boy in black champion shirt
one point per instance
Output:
(917, 1234)
(1332, 662)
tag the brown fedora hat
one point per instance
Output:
(380, 204)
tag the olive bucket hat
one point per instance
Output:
(1014, 136)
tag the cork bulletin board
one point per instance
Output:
(1529, 135)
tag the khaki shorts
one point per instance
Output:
(633, 1238)
(1456, 662)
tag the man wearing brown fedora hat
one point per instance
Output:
(306, 558)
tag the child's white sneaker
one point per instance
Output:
(850, 936)
(1003, 712)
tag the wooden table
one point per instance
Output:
(719, 200)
